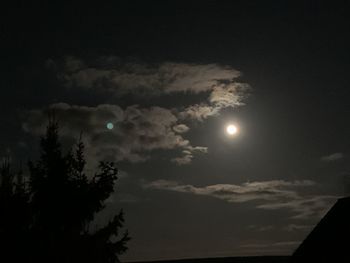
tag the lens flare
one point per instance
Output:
(110, 126)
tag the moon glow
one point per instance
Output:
(231, 129)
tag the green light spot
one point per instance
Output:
(110, 126)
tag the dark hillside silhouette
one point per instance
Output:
(48, 219)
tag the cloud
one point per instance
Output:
(198, 149)
(294, 227)
(270, 195)
(181, 128)
(187, 156)
(261, 228)
(185, 159)
(199, 112)
(113, 76)
(332, 157)
(270, 248)
(228, 94)
(265, 190)
(304, 207)
(137, 131)
(121, 77)
(276, 244)
(288, 228)
(77, 118)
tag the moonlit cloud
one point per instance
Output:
(295, 227)
(181, 128)
(185, 159)
(269, 195)
(138, 130)
(266, 248)
(304, 206)
(261, 228)
(111, 75)
(332, 157)
(136, 133)
(228, 94)
(276, 244)
(120, 77)
(199, 112)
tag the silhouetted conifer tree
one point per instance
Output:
(61, 202)
(14, 214)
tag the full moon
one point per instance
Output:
(231, 129)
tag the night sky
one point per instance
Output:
(170, 76)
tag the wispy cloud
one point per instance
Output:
(295, 227)
(261, 228)
(276, 244)
(269, 248)
(288, 228)
(332, 157)
(270, 195)
(304, 206)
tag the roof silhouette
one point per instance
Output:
(330, 239)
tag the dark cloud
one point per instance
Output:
(271, 195)
(79, 118)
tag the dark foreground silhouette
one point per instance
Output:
(329, 241)
(263, 259)
(49, 216)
